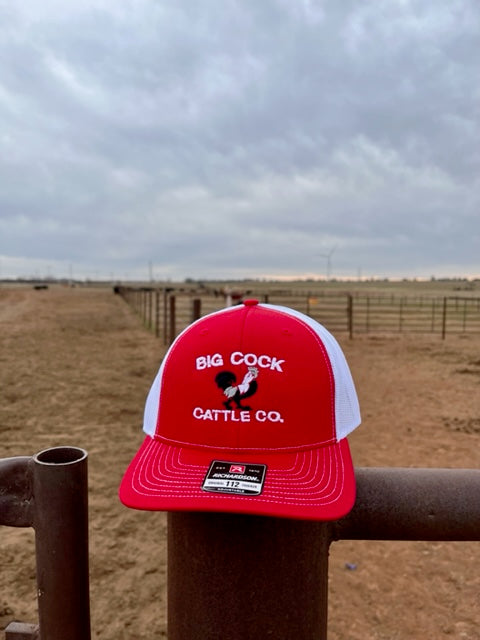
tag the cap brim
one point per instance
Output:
(315, 484)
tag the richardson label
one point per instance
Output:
(239, 478)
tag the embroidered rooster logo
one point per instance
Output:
(226, 380)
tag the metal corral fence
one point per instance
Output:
(49, 492)
(167, 311)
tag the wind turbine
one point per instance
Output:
(328, 256)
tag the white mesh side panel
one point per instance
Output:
(151, 406)
(347, 409)
(153, 399)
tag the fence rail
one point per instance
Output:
(168, 311)
(49, 493)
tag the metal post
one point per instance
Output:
(241, 576)
(172, 321)
(444, 318)
(49, 492)
(350, 315)
(150, 320)
(157, 313)
(61, 542)
(196, 309)
(165, 321)
(145, 307)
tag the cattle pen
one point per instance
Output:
(166, 311)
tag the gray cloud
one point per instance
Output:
(240, 142)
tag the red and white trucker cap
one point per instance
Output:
(249, 413)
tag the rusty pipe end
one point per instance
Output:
(60, 456)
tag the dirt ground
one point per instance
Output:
(76, 366)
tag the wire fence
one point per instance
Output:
(167, 311)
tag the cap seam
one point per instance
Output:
(206, 447)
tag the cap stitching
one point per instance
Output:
(284, 498)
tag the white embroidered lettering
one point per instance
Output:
(251, 360)
(221, 415)
(268, 416)
(236, 357)
(276, 364)
(204, 362)
(264, 362)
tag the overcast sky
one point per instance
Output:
(229, 139)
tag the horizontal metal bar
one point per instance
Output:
(22, 631)
(16, 492)
(413, 504)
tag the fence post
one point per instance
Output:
(367, 318)
(165, 317)
(150, 316)
(49, 492)
(243, 576)
(350, 315)
(444, 318)
(157, 313)
(172, 321)
(61, 543)
(196, 309)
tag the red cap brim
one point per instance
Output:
(315, 484)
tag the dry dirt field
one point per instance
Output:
(76, 366)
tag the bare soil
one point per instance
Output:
(76, 365)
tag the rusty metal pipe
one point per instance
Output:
(61, 542)
(413, 504)
(16, 499)
(248, 576)
(241, 576)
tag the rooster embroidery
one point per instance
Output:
(226, 380)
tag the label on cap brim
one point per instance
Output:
(235, 477)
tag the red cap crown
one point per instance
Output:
(247, 384)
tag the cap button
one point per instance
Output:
(250, 302)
